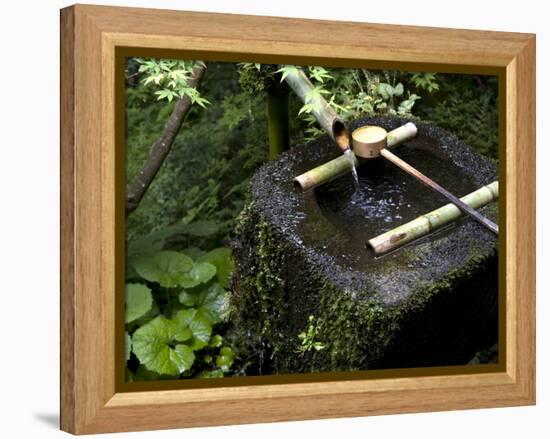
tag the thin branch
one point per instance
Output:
(133, 75)
(162, 146)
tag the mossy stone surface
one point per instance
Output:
(430, 303)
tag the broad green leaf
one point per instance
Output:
(225, 359)
(213, 303)
(183, 356)
(200, 273)
(156, 346)
(198, 324)
(221, 258)
(168, 268)
(149, 315)
(139, 301)
(154, 242)
(127, 345)
(183, 334)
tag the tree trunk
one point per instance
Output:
(161, 148)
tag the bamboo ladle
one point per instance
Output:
(370, 141)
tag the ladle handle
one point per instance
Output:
(429, 182)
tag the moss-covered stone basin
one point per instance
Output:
(430, 303)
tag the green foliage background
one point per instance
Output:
(178, 261)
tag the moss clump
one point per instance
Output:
(258, 292)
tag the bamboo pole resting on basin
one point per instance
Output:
(431, 221)
(340, 165)
(483, 220)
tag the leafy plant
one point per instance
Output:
(255, 77)
(425, 81)
(160, 345)
(466, 105)
(170, 77)
(307, 338)
(213, 156)
(352, 93)
(312, 100)
(221, 259)
(286, 70)
(175, 306)
(169, 269)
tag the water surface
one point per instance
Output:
(386, 197)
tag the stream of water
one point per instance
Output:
(349, 154)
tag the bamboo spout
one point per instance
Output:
(340, 165)
(325, 115)
(431, 221)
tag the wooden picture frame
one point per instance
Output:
(92, 399)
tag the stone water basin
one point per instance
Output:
(432, 302)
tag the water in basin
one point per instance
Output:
(386, 197)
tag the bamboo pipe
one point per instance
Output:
(322, 111)
(340, 165)
(431, 221)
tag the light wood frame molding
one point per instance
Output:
(90, 36)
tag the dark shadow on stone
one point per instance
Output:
(50, 419)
